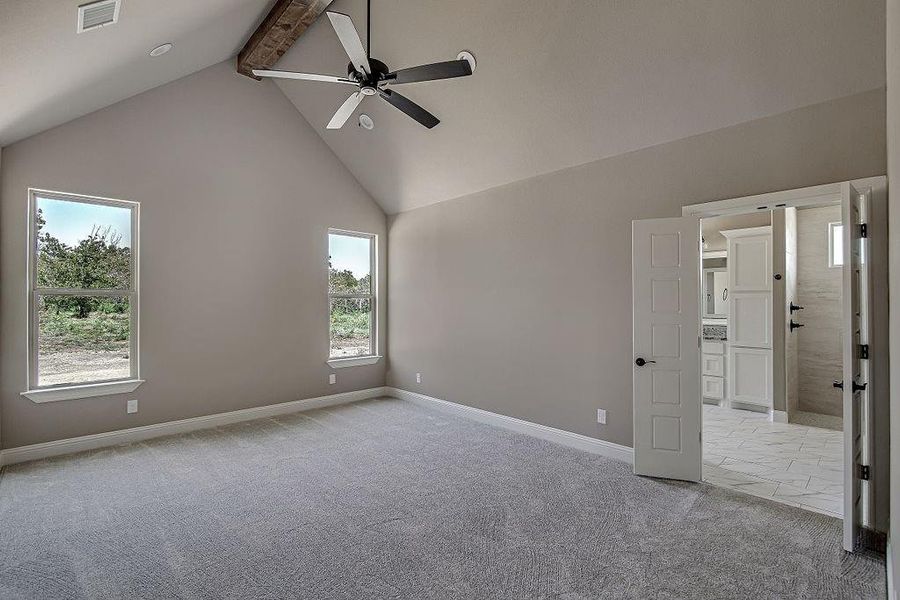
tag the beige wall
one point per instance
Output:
(819, 289)
(517, 300)
(237, 193)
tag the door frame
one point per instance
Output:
(831, 193)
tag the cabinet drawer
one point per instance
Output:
(713, 364)
(713, 387)
(713, 347)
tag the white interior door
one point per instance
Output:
(666, 328)
(855, 333)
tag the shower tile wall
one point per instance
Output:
(819, 291)
(791, 350)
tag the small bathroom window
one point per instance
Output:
(835, 244)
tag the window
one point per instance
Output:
(351, 297)
(835, 244)
(83, 300)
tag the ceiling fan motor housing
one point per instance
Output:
(379, 70)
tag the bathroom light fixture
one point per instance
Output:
(161, 49)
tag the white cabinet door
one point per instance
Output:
(750, 262)
(713, 387)
(750, 376)
(666, 327)
(713, 364)
(750, 287)
(750, 319)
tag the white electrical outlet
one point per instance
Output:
(418, 378)
(601, 416)
(131, 407)
(332, 378)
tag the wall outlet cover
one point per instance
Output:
(131, 407)
(332, 378)
(601, 416)
(418, 378)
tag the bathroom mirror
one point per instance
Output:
(715, 292)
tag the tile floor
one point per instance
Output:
(786, 462)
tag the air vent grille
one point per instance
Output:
(94, 15)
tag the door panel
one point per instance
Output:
(666, 290)
(855, 332)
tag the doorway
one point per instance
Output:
(781, 440)
(670, 364)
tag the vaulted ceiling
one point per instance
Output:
(567, 82)
(49, 74)
(558, 83)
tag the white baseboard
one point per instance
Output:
(551, 434)
(136, 434)
(779, 416)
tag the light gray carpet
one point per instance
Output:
(385, 499)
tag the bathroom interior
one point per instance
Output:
(771, 291)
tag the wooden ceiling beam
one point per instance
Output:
(286, 22)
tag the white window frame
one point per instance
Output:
(372, 357)
(68, 391)
(831, 227)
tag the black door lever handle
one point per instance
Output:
(640, 361)
(795, 307)
(838, 384)
(795, 325)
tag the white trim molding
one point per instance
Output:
(779, 416)
(136, 434)
(356, 361)
(89, 390)
(551, 434)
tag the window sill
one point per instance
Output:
(357, 361)
(89, 390)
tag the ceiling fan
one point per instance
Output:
(372, 76)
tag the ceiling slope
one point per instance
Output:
(576, 83)
(50, 75)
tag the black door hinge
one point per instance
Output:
(863, 472)
(864, 351)
(863, 230)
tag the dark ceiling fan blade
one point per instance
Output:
(441, 70)
(302, 76)
(410, 108)
(346, 32)
(346, 109)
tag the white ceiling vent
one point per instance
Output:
(95, 15)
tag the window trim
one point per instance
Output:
(831, 227)
(68, 391)
(339, 362)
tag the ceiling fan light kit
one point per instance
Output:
(372, 77)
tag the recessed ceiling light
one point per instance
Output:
(366, 122)
(161, 49)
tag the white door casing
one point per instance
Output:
(666, 327)
(857, 377)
